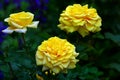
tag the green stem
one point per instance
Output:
(11, 71)
(24, 42)
(27, 51)
(10, 67)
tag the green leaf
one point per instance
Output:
(98, 35)
(83, 56)
(93, 70)
(4, 68)
(114, 38)
(15, 66)
(115, 66)
(9, 44)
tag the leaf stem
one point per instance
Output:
(10, 67)
(24, 42)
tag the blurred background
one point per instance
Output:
(99, 52)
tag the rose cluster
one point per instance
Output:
(56, 54)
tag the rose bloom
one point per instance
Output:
(19, 22)
(57, 55)
(80, 18)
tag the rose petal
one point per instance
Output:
(6, 19)
(65, 64)
(56, 69)
(83, 31)
(89, 27)
(21, 30)
(7, 30)
(45, 68)
(33, 25)
(71, 65)
(16, 25)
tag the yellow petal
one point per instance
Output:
(83, 32)
(45, 68)
(98, 23)
(71, 65)
(16, 25)
(89, 27)
(65, 64)
(56, 69)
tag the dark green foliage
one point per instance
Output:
(99, 52)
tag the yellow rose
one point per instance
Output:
(57, 55)
(20, 21)
(80, 18)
